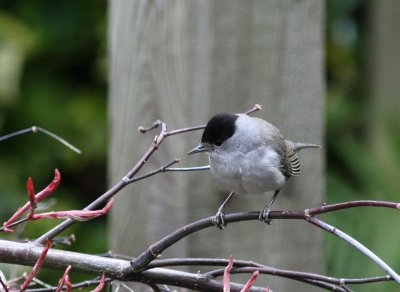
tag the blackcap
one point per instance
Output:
(248, 155)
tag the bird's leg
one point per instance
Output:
(264, 214)
(219, 219)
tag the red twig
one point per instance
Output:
(226, 280)
(250, 282)
(65, 280)
(36, 267)
(256, 107)
(33, 200)
(227, 272)
(101, 284)
(79, 215)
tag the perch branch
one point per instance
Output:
(140, 263)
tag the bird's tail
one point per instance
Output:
(297, 146)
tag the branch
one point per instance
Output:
(78, 215)
(256, 107)
(37, 266)
(265, 270)
(35, 129)
(154, 251)
(151, 173)
(65, 280)
(83, 284)
(33, 200)
(195, 168)
(335, 231)
(27, 253)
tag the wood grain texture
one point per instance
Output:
(182, 61)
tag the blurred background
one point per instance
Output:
(53, 74)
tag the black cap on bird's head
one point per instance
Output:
(218, 129)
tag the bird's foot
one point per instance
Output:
(264, 216)
(219, 219)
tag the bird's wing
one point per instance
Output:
(290, 162)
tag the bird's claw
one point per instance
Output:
(219, 219)
(264, 216)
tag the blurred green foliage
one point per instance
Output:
(355, 170)
(53, 75)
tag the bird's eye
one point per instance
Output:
(218, 142)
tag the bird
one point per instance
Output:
(248, 155)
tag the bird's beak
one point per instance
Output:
(199, 148)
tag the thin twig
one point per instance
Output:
(83, 284)
(20, 221)
(66, 240)
(241, 264)
(293, 275)
(256, 107)
(36, 267)
(195, 168)
(335, 231)
(40, 282)
(65, 281)
(27, 253)
(35, 129)
(151, 173)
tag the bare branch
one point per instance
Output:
(83, 284)
(27, 253)
(140, 263)
(256, 107)
(325, 226)
(151, 173)
(195, 168)
(35, 129)
(265, 269)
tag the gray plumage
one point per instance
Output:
(248, 155)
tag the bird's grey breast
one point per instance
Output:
(254, 172)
